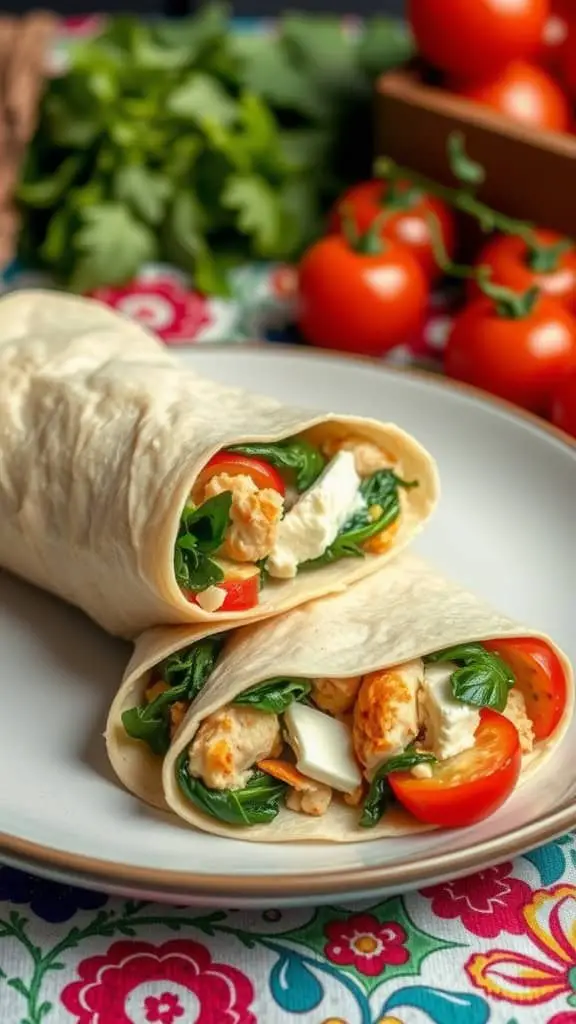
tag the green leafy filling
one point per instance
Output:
(202, 531)
(257, 804)
(483, 678)
(185, 672)
(380, 793)
(275, 695)
(382, 491)
(297, 460)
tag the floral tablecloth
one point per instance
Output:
(499, 946)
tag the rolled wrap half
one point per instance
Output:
(406, 612)
(104, 440)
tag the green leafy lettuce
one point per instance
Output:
(380, 793)
(298, 461)
(380, 491)
(275, 695)
(186, 672)
(202, 531)
(257, 804)
(482, 679)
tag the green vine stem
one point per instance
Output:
(540, 257)
(371, 242)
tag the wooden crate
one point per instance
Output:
(529, 174)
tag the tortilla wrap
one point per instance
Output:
(406, 611)
(103, 436)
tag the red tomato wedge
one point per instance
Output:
(262, 473)
(242, 586)
(466, 788)
(540, 677)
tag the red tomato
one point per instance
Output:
(407, 221)
(521, 359)
(540, 677)
(261, 472)
(555, 33)
(525, 93)
(360, 302)
(507, 255)
(564, 405)
(466, 788)
(474, 39)
(242, 586)
(567, 60)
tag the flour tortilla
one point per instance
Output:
(405, 611)
(103, 434)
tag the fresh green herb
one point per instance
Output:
(257, 804)
(275, 695)
(192, 143)
(380, 793)
(298, 460)
(382, 491)
(483, 678)
(202, 531)
(186, 673)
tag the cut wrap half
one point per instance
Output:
(148, 495)
(404, 703)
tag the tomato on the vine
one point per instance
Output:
(547, 264)
(406, 211)
(523, 92)
(564, 405)
(555, 33)
(521, 358)
(366, 296)
(475, 39)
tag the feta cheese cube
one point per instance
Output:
(323, 748)
(314, 522)
(449, 723)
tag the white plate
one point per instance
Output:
(506, 527)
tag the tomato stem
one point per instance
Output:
(371, 242)
(544, 259)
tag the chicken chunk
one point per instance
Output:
(383, 541)
(515, 712)
(177, 715)
(368, 457)
(386, 714)
(230, 742)
(255, 514)
(336, 696)
(314, 800)
(154, 689)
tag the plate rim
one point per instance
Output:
(111, 874)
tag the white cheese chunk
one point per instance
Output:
(313, 523)
(323, 748)
(449, 723)
(211, 599)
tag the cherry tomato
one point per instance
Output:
(360, 302)
(564, 405)
(261, 472)
(540, 677)
(468, 787)
(567, 60)
(555, 33)
(525, 93)
(242, 586)
(520, 359)
(407, 221)
(474, 39)
(508, 258)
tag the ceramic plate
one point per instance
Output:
(505, 528)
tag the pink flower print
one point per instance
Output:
(487, 903)
(365, 943)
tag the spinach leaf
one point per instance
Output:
(298, 460)
(186, 673)
(379, 794)
(257, 804)
(483, 678)
(201, 531)
(275, 695)
(382, 507)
